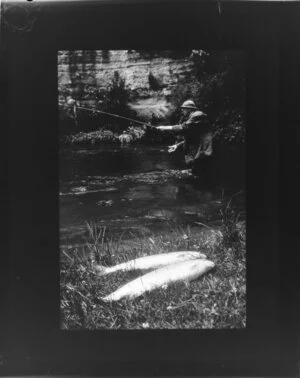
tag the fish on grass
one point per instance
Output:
(149, 262)
(185, 271)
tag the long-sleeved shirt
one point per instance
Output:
(197, 134)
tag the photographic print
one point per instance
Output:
(152, 189)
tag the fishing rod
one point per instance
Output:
(118, 116)
(114, 115)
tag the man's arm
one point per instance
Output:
(164, 128)
(176, 128)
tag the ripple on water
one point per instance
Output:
(104, 203)
(96, 184)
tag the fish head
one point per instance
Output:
(198, 255)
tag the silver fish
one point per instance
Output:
(181, 272)
(150, 262)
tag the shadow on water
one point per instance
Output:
(141, 190)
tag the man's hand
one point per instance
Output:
(174, 147)
(71, 101)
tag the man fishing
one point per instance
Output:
(195, 129)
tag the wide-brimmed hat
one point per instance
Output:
(189, 104)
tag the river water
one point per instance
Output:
(138, 190)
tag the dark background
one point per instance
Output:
(33, 343)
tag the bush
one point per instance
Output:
(91, 138)
(218, 88)
(234, 132)
(153, 82)
(115, 100)
(132, 134)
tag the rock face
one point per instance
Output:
(149, 77)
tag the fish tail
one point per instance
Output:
(107, 299)
(103, 300)
(100, 270)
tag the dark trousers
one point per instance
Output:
(203, 168)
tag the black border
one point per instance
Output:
(35, 345)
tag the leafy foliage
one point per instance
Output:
(94, 137)
(234, 130)
(113, 99)
(153, 82)
(116, 96)
(218, 89)
(132, 134)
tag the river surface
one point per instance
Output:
(138, 190)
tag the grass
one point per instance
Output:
(217, 300)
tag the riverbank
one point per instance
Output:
(217, 300)
(102, 136)
(142, 135)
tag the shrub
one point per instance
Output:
(91, 138)
(115, 100)
(153, 82)
(218, 88)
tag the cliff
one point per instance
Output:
(150, 77)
